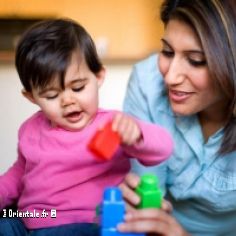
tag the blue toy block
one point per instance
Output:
(112, 213)
(113, 208)
(110, 232)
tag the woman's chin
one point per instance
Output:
(178, 112)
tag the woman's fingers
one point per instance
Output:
(141, 226)
(151, 214)
(129, 207)
(127, 187)
(151, 221)
(132, 180)
(166, 206)
(145, 221)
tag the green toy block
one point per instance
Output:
(149, 192)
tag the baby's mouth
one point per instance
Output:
(73, 116)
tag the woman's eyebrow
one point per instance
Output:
(197, 51)
(165, 42)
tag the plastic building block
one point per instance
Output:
(113, 208)
(105, 142)
(150, 194)
(112, 213)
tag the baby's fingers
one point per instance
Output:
(127, 128)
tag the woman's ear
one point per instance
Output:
(28, 95)
(101, 76)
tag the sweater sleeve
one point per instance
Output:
(155, 147)
(11, 182)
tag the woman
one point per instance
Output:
(193, 96)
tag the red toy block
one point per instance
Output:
(105, 142)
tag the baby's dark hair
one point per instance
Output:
(45, 49)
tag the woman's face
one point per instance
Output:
(183, 65)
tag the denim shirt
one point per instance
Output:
(200, 184)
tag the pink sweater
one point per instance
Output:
(55, 170)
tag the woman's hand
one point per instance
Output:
(127, 187)
(132, 199)
(127, 128)
(153, 222)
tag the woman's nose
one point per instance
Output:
(175, 73)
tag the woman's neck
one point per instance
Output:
(211, 122)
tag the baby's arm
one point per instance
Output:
(11, 183)
(149, 143)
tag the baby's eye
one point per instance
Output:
(78, 89)
(50, 97)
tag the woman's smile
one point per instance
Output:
(179, 96)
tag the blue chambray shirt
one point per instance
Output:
(200, 184)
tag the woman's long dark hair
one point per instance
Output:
(214, 21)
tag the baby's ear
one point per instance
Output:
(101, 76)
(28, 95)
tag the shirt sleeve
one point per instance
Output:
(11, 182)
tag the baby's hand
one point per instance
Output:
(127, 128)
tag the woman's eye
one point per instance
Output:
(167, 53)
(197, 63)
(78, 89)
